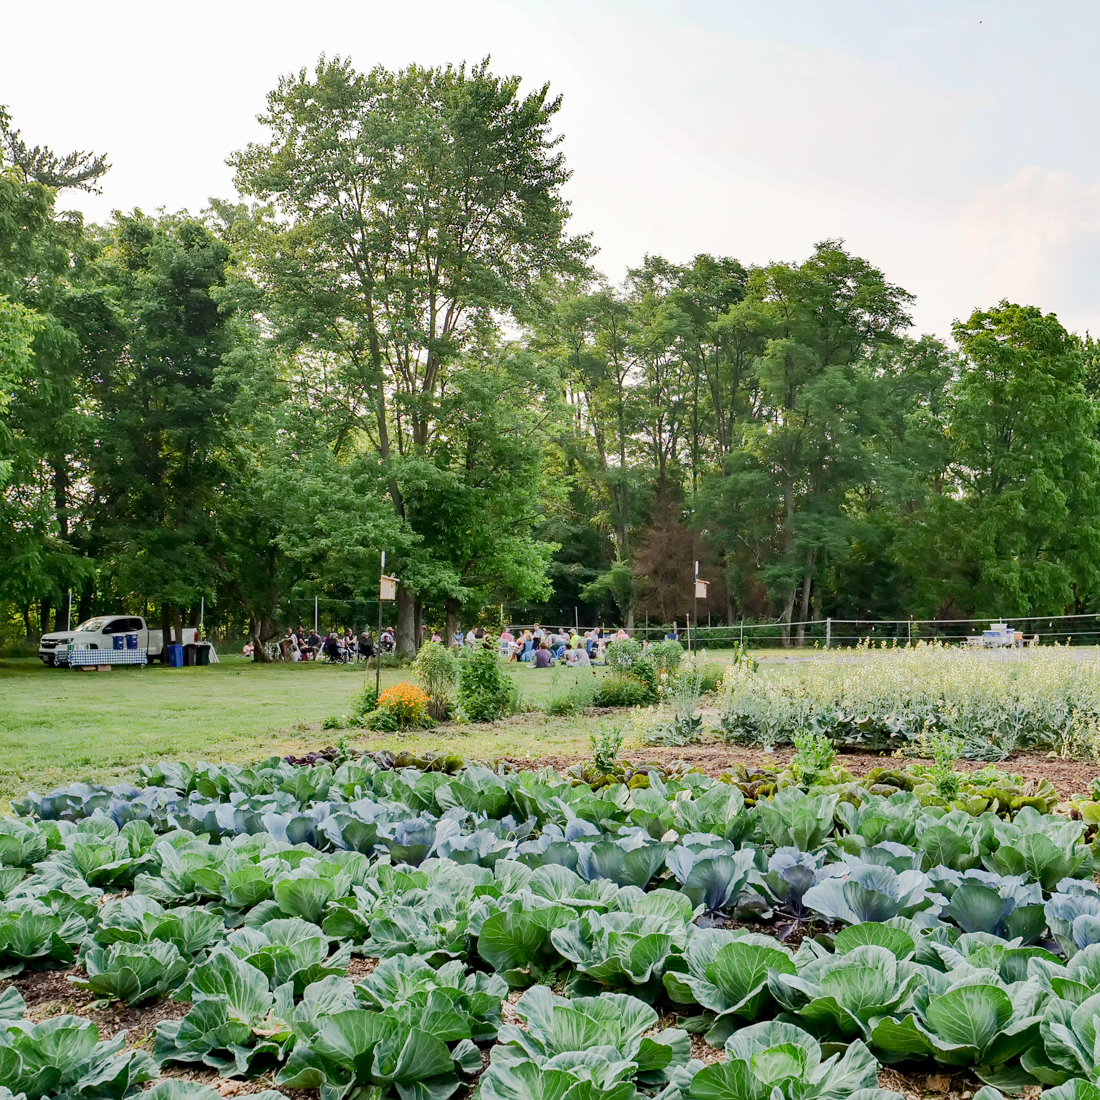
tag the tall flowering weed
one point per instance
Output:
(1002, 699)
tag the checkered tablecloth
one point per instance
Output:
(78, 658)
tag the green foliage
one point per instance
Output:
(621, 690)
(133, 972)
(782, 1061)
(622, 656)
(438, 669)
(483, 686)
(606, 743)
(814, 754)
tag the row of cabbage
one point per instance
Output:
(245, 893)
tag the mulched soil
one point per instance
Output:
(1069, 777)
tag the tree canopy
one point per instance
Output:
(391, 340)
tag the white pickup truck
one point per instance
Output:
(98, 633)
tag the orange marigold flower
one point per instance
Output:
(406, 702)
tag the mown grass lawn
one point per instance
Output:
(58, 726)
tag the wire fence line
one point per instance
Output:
(1082, 628)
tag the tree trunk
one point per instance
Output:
(418, 624)
(630, 617)
(785, 627)
(406, 640)
(256, 634)
(27, 628)
(807, 590)
(452, 622)
(44, 614)
(165, 632)
(177, 625)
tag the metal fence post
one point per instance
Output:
(828, 633)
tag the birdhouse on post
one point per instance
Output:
(701, 589)
(387, 589)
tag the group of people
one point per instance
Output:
(539, 646)
(339, 648)
(542, 647)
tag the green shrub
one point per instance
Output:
(712, 676)
(665, 657)
(484, 688)
(365, 702)
(334, 722)
(437, 668)
(621, 690)
(646, 673)
(623, 656)
(383, 721)
(605, 747)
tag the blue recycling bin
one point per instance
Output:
(119, 641)
(131, 641)
(175, 656)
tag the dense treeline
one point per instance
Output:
(393, 342)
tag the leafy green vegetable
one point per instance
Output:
(131, 972)
(63, 1056)
(231, 1024)
(728, 975)
(781, 1062)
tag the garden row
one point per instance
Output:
(885, 698)
(986, 705)
(943, 936)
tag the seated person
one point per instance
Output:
(557, 641)
(366, 645)
(578, 658)
(542, 656)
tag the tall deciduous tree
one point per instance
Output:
(1013, 523)
(408, 212)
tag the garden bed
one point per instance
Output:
(311, 911)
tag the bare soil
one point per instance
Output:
(1069, 777)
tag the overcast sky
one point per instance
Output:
(951, 143)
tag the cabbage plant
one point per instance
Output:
(870, 893)
(968, 1022)
(63, 1056)
(836, 997)
(133, 972)
(406, 1047)
(475, 996)
(781, 1062)
(231, 1023)
(611, 1027)
(292, 951)
(728, 974)
(1073, 915)
(627, 950)
(793, 819)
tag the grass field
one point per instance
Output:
(59, 725)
